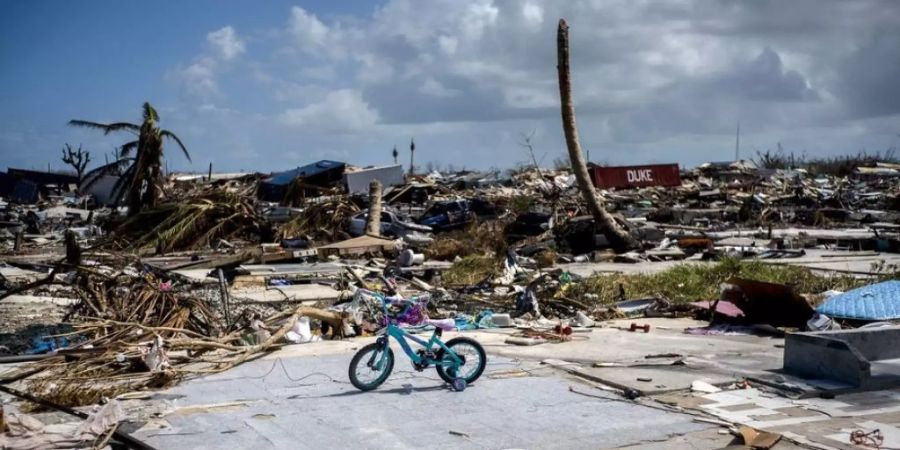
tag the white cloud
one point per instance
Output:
(447, 44)
(477, 18)
(434, 88)
(198, 78)
(226, 42)
(533, 14)
(646, 74)
(323, 72)
(374, 69)
(212, 108)
(340, 110)
(308, 31)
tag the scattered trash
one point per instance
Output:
(872, 439)
(703, 387)
(634, 327)
(300, 333)
(756, 439)
(821, 322)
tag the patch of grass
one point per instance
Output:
(692, 282)
(470, 270)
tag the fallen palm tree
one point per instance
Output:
(193, 223)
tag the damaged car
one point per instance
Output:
(393, 224)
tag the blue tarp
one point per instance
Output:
(323, 173)
(880, 301)
(309, 170)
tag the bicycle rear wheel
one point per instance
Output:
(371, 366)
(474, 360)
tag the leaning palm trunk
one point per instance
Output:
(617, 236)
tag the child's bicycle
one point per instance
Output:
(459, 361)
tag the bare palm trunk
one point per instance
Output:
(373, 225)
(618, 237)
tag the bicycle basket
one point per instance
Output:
(410, 311)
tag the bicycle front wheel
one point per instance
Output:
(371, 366)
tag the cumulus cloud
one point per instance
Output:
(226, 42)
(197, 79)
(674, 74)
(436, 89)
(309, 33)
(340, 110)
(533, 14)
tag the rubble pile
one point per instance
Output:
(225, 269)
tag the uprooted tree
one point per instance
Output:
(78, 159)
(141, 183)
(617, 236)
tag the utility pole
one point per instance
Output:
(412, 153)
(737, 142)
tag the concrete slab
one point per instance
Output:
(817, 259)
(865, 358)
(824, 423)
(655, 380)
(736, 356)
(716, 438)
(294, 292)
(308, 403)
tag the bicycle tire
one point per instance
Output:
(358, 357)
(482, 358)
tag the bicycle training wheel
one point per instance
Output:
(474, 360)
(370, 366)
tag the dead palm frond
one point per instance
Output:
(193, 223)
(320, 221)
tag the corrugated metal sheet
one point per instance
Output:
(636, 176)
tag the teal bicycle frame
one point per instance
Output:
(435, 351)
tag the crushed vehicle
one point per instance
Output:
(448, 215)
(392, 224)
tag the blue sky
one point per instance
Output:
(271, 85)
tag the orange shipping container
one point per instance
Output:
(636, 176)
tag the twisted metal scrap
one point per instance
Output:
(872, 439)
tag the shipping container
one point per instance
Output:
(636, 176)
